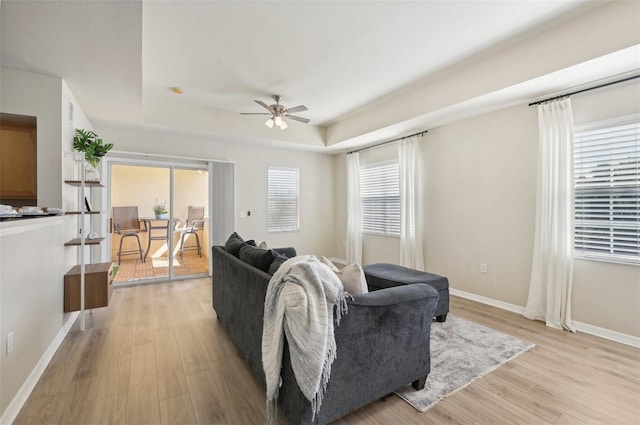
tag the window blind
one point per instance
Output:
(380, 194)
(282, 213)
(607, 186)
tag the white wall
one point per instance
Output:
(32, 300)
(316, 235)
(33, 309)
(70, 171)
(141, 186)
(480, 194)
(26, 93)
(47, 98)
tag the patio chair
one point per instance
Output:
(127, 224)
(192, 225)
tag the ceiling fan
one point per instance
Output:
(278, 112)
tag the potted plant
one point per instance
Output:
(94, 149)
(160, 208)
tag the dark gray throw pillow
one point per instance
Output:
(259, 258)
(234, 243)
(276, 263)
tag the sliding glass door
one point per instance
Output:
(159, 221)
(190, 209)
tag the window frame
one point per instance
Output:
(590, 255)
(390, 225)
(269, 199)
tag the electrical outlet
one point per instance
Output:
(483, 268)
(9, 343)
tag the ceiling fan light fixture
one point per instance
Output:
(278, 113)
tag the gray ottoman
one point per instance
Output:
(383, 275)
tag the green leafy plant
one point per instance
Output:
(160, 207)
(93, 147)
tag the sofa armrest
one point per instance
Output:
(382, 344)
(389, 331)
(396, 295)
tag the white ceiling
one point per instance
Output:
(119, 58)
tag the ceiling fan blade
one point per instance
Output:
(255, 113)
(296, 109)
(293, 117)
(264, 105)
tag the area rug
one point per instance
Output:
(461, 352)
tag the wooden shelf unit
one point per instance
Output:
(98, 277)
(78, 183)
(98, 286)
(79, 212)
(77, 242)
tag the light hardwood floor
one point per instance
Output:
(157, 355)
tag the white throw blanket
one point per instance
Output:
(300, 299)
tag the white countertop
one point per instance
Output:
(21, 225)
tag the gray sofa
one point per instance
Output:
(382, 343)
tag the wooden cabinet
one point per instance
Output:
(18, 163)
(98, 285)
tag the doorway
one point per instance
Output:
(171, 233)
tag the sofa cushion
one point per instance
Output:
(353, 279)
(259, 258)
(383, 275)
(234, 243)
(278, 260)
(329, 264)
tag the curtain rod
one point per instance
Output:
(585, 90)
(389, 141)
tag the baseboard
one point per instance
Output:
(620, 337)
(12, 410)
(626, 339)
(486, 300)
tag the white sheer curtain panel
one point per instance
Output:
(354, 210)
(222, 196)
(552, 268)
(411, 254)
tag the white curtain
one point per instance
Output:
(552, 269)
(221, 223)
(354, 210)
(411, 254)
